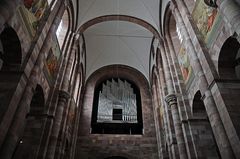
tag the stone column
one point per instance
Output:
(62, 103)
(213, 114)
(174, 110)
(171, 100)
(77, 119)
(67, 118)
(18, 124)
(156, 111)
(172, 148)
(182, 92)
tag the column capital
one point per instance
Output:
(171, 99)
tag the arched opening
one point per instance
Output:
(229, 59)
(10, 50)
(204, 140)
(10, 63)
(228, 86)
(117, 108)
(28, 144)
(63, 29)
(198, 105)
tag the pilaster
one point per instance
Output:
(211, 108)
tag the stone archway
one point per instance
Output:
(10, 50)
(10, 63)
(206, 147)
(229, 59)
(28, 145)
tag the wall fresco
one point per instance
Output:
(52, 60)
(186, 68)
(31, 14)
(207, 20)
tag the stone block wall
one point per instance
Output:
(100, 146)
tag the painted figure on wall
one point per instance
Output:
(184, 64)
(52, 59)
(206, 18)
(52, 63)
(31, 13)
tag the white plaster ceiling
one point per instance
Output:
(118, 42)
(147, 10)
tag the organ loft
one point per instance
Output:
(115, 79)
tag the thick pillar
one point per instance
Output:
(171, 100)
(168, 124)
(18, 124)
(156, 112)
(183, 110)
(62, 103)
(213, 114)
(174, 109)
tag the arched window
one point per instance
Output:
(117, 108)
(62, 29)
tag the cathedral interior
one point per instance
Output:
(119, 79)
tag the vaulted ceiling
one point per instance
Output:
(125, 39)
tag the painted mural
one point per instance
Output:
(52, 59)
(186, 68)
(207, 20)
(31, 13)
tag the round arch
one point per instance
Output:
(10, 49)
(126, 18)
(229, 59)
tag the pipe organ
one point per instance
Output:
(117, 95)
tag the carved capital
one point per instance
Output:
(171, 99)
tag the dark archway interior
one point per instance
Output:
(10, 61)
(10, 53)
(200, 114)
(229, 59)
(37, 103)
(198, 105)
(28, 144)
